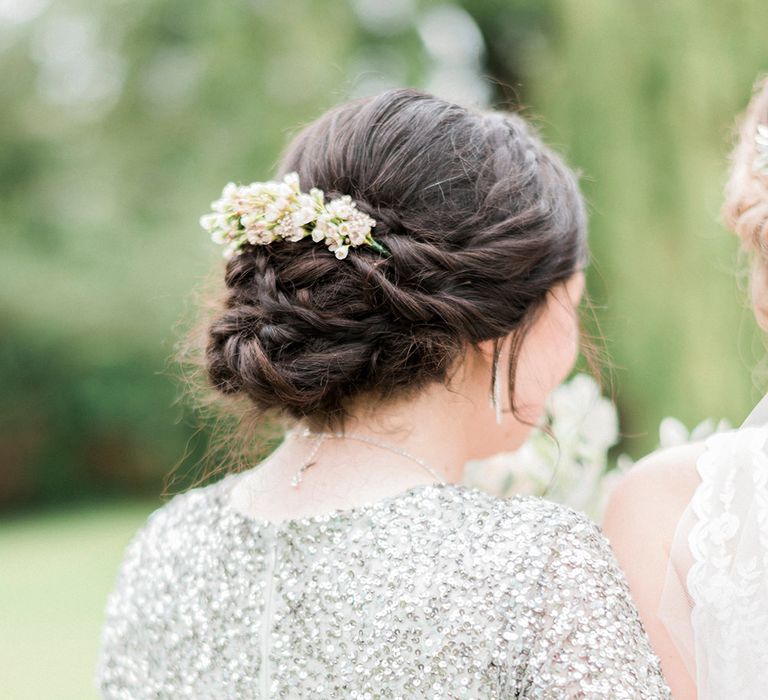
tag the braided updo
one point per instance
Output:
(745, 208)
(481, 219)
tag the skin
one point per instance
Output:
(446, 426)
(640, 522)
(643, 513)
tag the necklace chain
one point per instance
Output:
(306, 432)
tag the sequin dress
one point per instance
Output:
(441, 591)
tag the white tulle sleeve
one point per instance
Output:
(715, 600)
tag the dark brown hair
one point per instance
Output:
(481, 218)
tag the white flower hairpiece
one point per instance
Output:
(761, 141)
(263, 212)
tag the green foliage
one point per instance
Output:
(58, 569)
(643, 97)
(101, 249)
(123, 120)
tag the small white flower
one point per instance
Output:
(318, 196)
(230, 250)
(276, 210)
(227, 200)
(340, 208)
(303, 216)
(210, 222)
(297, 234)
(262, 212)
(672, 432)
(583, 419)
(358, 235)
(253, 220)
(334, 236)
(260, 236)
(708, 427)
(219, 236)
(292, 180)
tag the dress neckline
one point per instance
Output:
(334, 515)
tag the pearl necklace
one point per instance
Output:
(306, 432)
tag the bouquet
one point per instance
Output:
(566, 457)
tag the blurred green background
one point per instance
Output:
(120, 122)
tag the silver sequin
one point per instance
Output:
(442, 591)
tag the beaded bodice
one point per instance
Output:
(442, 591)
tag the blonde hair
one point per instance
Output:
(745, 209)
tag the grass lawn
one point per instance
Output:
(56, 570)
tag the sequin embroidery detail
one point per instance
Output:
(441, 592)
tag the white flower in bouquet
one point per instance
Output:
(566, 465)
(673, 432)
(565, 459)
(263, 212)
(585, 422)
(526, 471)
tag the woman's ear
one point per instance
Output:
(485, 350)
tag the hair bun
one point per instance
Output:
(298, 337)
(479, 231)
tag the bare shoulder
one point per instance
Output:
(640, 522)
(669, 473)
(652, 496)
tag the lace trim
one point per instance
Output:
(728, 580)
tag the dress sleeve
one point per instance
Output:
(727, 544)
(589, 642)
(122, 632)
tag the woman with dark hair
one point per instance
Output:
(410, 249)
